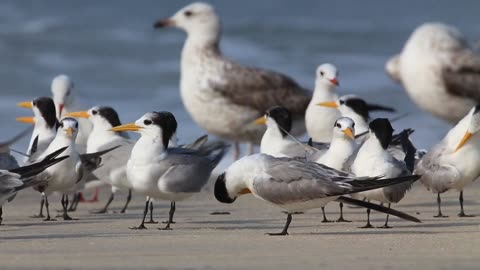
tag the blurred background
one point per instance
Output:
(116, 58)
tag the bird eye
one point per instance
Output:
(94, 112)
(76, 125)
(353, 125)
(338, 125)
(342, 102)
(61, 124)
(188, 13)
(34, 103)
(147, 122)
(321, 73)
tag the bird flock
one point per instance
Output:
(349, 158)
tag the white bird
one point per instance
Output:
(66, 177)
(222, 96)
(355, 108)
(160, 172)
(14, 180)
(439, 71)
(294, 184)
(373, 159)
(318, 120)
(341, 148)
(63, 95)
(113, 169)
(453, 162)
(45, 125)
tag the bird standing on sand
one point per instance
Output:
(453, 162)
(160, 172)
(224, 97)
(439, 71)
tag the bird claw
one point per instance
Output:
(141, 227)
(277, 234)
(465, 215)
(368, 226)
(166, 222)
(440, 216)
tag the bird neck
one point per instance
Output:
(371, 147)
(271, 140)
(337, 154)
(324, 92)
(148, 149)
(208, 43)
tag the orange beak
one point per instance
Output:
(464, 140)
(82, 114)
(244, 191)
(29, 120)
(25, 104)
(330, 104)
(349, 133)
(126, 127)
(260, 121)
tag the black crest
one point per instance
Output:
(46, 106)
(167, 122)
(282, 117)
(383, 131)
(220, 190)
(359, 106)
(110, 114)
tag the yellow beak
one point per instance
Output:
(349, 133)
(260, 121)
(29, 120)
(25, 104)
(82, 114)
(464, 140)
(244, 191)
(126, 127)
(330, 104)
(69, 131)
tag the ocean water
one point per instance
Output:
(116, 58)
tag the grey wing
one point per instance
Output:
(80, 171)
(261, 89)
(112, 160)
(396, 192)
(436, 176)
(199, 142)
(462, 76)
(292, 180)
(185, 173)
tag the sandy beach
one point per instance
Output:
(237, 241)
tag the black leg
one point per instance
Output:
(385, 226)
(129, 197)
(170, 216)
(462, 213)
(65, 208)
(48, 218)
(151, 221)
(325, 220)
(285, 229)
(105, 208)
(40, 214)
(142, 225)
(1, 215)
(75, 201)
(368, 225)
(341, 219)
(439, 202)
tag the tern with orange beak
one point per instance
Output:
(295, 185)
(45, 125)
(230, 95)
(161, 172)
(453, 162)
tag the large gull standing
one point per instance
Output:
(224, 97)
(439, 71)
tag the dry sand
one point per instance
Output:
(237, 241)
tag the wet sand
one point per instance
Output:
(237, 241)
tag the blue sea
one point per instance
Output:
(116, 58)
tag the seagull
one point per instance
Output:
(294, 184)
(14, 180)
(63, 95)
(439, 71)
(373, 159)
(342, 147)
(222, 96)
(318, 120)
(113, 169)
(66, 177)
(355, 108)
(45, 125)
(452, 163)
(160, 172)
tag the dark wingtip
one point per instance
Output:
(220, 190)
